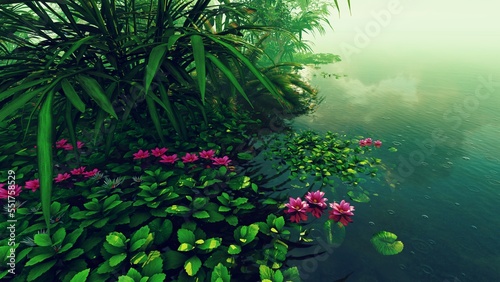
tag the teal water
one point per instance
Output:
(441, 191)
(433, 92)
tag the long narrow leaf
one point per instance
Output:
(94, 90)
(229, 76)
(70, 93)
(153, 113)
(44, 147)
(74, 47)
(6, 94)
(154, 62)
(71, 129)
(19, 102)
(269, 86)
(199, 60)
(169, 109)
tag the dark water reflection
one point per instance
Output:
(441, 190)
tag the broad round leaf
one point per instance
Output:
(386, 244)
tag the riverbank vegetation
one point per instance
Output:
(129, 132)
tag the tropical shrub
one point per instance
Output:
(150, 212)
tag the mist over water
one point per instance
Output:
(426, 82)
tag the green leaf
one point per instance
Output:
(279, 223)
(70, 93)
(228, 73)
(210, 244)
(386, 244)
(81, 276)
(39, 258)
(264, 80)
(40, 269)
(186, 236)
(59, 236)
(174, 259)
(134, 274)
(199, 60)
(73, 48)
(45, 163)
(234, 249)
(185, 247)
(26, 85)
(266, 272)
(158, 277)
(117, 259)
(245, 156)
(239, 182)
(163, 232)
(142, 233)
(73, 236)
(153, 114)
(115, 240)
(176, 209)
(135, 245)
(74, 254)
(232, 220)
(292, 274)
(154, 62)
(94, 90)
(201, 214)
(126, 279)
(192, 265)
(153, 265)
(358, 196)
(92, 206)
(43, 240)
(220, 273)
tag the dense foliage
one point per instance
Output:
(133, 124)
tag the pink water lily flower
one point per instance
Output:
(61, 177)
(78, 171)
(317, 203)
(378, 143)
(189, 158)
(341, 212)
(4, 192)
(68, 147)
(207, 154)
(158, 152)
(61, 143)
(141, 155)
(169, 159)
(362, 142)
(221, 161)
(32, 184)
(297, 209)
(368, 141)
(88, 174)
(79, 144)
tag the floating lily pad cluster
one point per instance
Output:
(318, 158)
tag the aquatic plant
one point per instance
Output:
(297, 209)
(386, 244)
(341, 212)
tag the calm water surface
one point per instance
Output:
(440, 192)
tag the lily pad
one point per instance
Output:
(358, 196)
(386, 244)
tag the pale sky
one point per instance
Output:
(432, 26)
